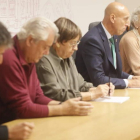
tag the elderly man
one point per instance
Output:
(98, 55)
(21, 95)
(22, 130)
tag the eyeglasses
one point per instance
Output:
(73, 44)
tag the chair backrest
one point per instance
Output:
(91, 25)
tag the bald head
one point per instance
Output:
(116, 18)
(115, 8)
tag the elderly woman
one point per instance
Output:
(130, 46)
(22, 130)
(57, 72)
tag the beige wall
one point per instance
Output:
(130, 4)
(82, 12)
(87, 11)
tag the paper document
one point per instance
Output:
(112, 99)
(134, 88)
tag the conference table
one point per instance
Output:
(107, 121)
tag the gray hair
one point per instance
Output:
(38, 28)
(135, 17)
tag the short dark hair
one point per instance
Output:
(5, 36)
(67, 29)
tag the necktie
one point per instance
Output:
(113, 51)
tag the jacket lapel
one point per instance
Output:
(106, 43)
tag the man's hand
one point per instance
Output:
(136, 77)
(76, 107)
(20, 131)
(134, 83)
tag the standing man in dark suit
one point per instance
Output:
(98, 56)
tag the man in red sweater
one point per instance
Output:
(22, 130)
(21, 95)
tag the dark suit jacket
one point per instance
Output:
(94, 59)
(3, 133)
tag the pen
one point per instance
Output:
(109, 87)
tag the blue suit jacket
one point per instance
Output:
(94, 59)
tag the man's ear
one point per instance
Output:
(112, 18)
(29, 41)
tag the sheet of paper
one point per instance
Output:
(134, 88)
(112, 99)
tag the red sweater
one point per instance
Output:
(20, 92)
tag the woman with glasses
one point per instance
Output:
(57, 72)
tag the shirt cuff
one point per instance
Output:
(130, 76)
(126, 82)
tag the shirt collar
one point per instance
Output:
(56, 58)
(106, 32)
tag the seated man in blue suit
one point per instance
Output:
(98, 56)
